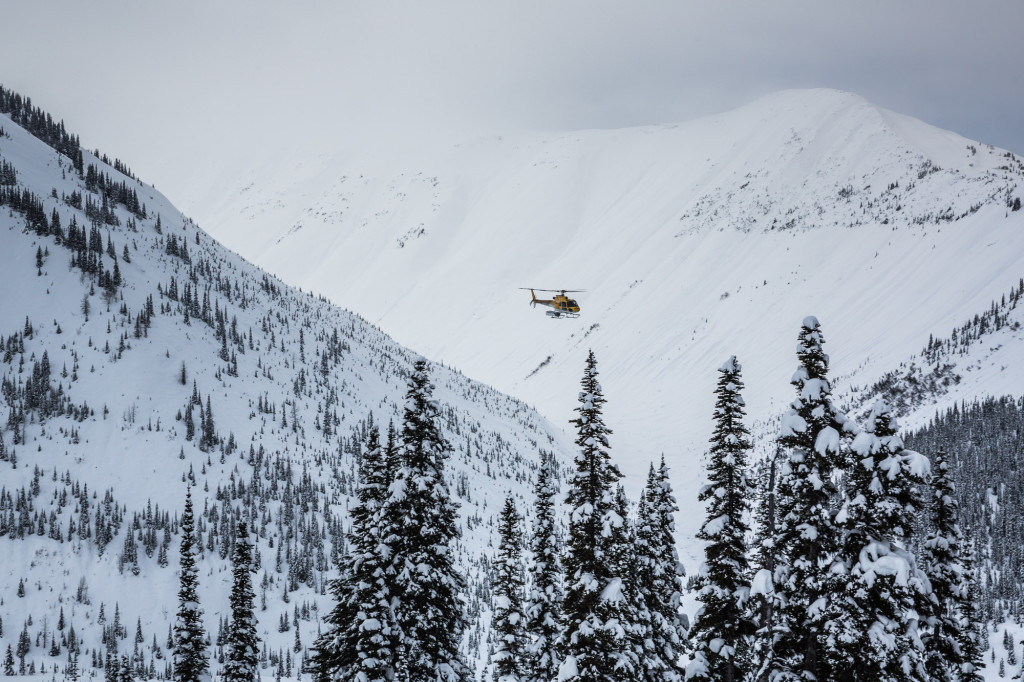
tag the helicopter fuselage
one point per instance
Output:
(561, 305)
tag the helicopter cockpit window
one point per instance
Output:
(573, 303)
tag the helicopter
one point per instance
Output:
(562, 305)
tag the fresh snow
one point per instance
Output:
(693, 240)
(132, 445)
(719, 235)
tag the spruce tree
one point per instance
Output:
(428, 585)
(872, 625)
(763, 602)
(242, 642)
(544, 605)
(592, 642)
(971, 647)
(359, 642)
(659, 578)
(669, 584)
(942, 563)
(635, 655)
(190, 659)
(508, 624)
(124, 670)
(723, 627)
(806, 534)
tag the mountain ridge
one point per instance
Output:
(695, 241)
(141, 357)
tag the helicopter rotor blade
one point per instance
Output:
(567, 291)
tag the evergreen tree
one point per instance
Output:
(428, 585)
(242, 642)
(636, 656)
(723, 627)
(71, 670)
(544, 605)
(124, 670)
(190, 658)
(806, 534)
(592, 642)
(872, 623)
(659, 579)
(941, 559)
(359, 642)
(762, 602)
(973, 625)
(508, 624)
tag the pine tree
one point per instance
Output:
(242, 642)
(591, 642)
(9, 662)
(723, 626)
(872, 624)
(190, 658)
(508, 624)
(359, 642)
(428, 585)
(941, 560)
(544, 604)
(806, 535)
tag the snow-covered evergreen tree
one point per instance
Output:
(331, 654)
(190, 658)
(9, 662)
(723, 627)
(359, 641)
(428, 586)
(942, 562)
(592, 641)
(876, 590)
(658, 576)
(125, 673)
(508, 586)
(242, 642)
(972, 624)
(544, 603)
(762, 602)
(629, 612)
(806, 534)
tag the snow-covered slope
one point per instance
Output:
(100, 382)
(693, 241)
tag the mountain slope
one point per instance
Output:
(694, 241)
(123, 322)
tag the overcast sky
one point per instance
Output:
(160, 84)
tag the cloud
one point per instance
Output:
(161, 83)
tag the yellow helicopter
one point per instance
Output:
(562, 305)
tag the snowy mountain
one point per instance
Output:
(140, 357)
(694, 241)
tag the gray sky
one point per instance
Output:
(163, 84)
